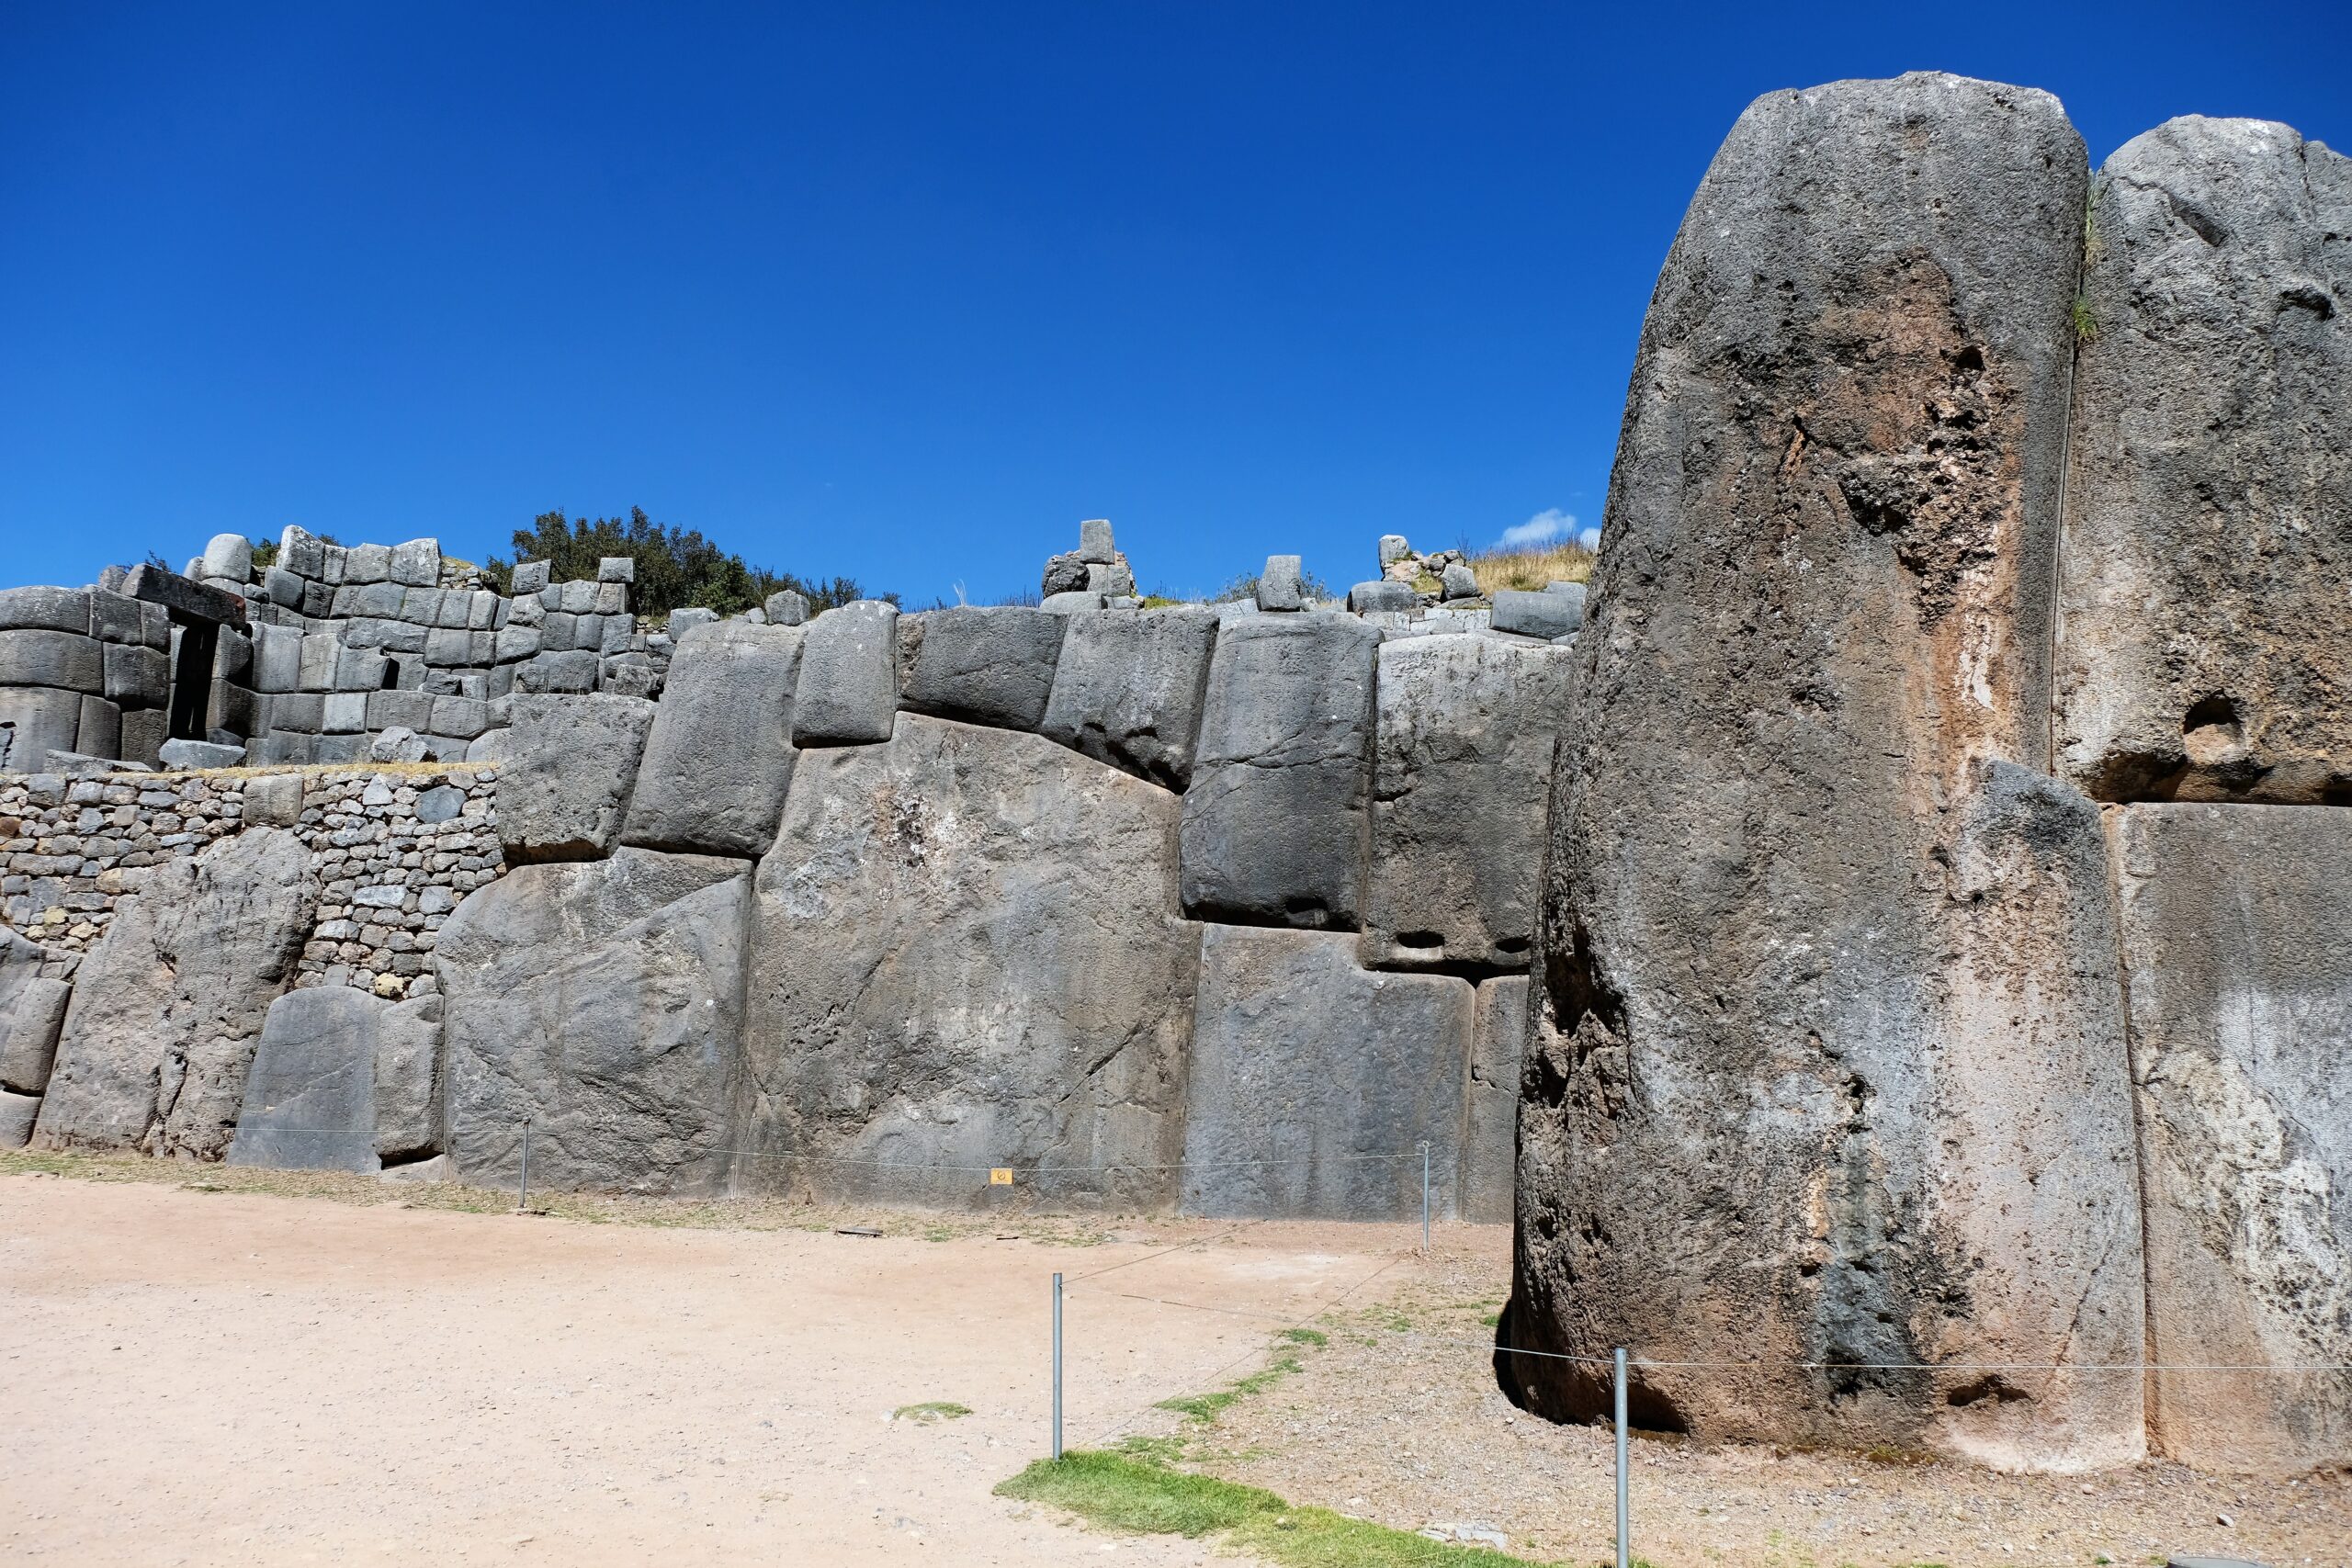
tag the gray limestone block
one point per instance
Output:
(530, 577)
(616, 569)
(988, 665)
(365, 633)
(139, 677)
(450, 646)
(569, 672)
(99, 730)
(1278, 586)
(275, 801)
(565, 789)
(1128, 688)
(1066, 575)
(183, 755)
(1274, 818)
(68, 660)
(515, 643)
(346, 748)
(359, 670)
(559, 631)
(1461, 582)
(603, 1002)
(144, 730)
(334, 1068)
(315, 666)
(421, 606)
(318, 599)
(2240, 989)
(17, 1114)
(684, 620)
(1821, 638)
(302, 552)
(1462, 766)
(1383, 596)
(1109, 581)
(1072, 603)
(281, 587)
(632, 679)
(577, 598)
(1490, 1143)
(380, 598)
(2205, 624)
(229, 556)
(232, 657)
(719, 757)
(343, 713)
(168, 1004)
(1094, 541)
(117, 617)
(1546, 615)
(35, 721)
(31, 1011)
(482, 609)
(460, 719)
(303, 712)
(921, 995)
(612, 599)
(409, 710)
(787, 608)
(417, 563)
(456, 609)
(332, 559)
(441, 802)
(848, 693)
(1394, 548)
(367, 564)
(614, 633)
(402, 638)
(1312, 1081)
(277, 658)
(46, 610)
(344, 601)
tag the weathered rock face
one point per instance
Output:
(32, 1011)
(2241, 998)
(18, 1113)
(566, 774)
(1828, 1064)
(1462, 765)
(1313, 1081)
(849, 676)
(1274, 821)
(2206, 634)
(602, 1002)
(1129, 688)
(168, 1005)
(719, 758)
(341, 1080)
(1490, 1140)
(967, 958)
(987, 665)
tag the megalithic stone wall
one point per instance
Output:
(1827, 1059)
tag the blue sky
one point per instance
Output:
(905, 291)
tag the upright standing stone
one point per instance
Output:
(849, 676)
(1273, 825)
(1462, 764)
(230, 557)
(1129, 687)
(1313, 1082)
(2206, 629)
(1490, 1142)
(31, 1011)
(967, 957)
(1094, 543)
(333, 1063)
(1278, 586)
(571, 766)
(169, 1003)
(2241, 994)
(719, 757)
(1827, 1063)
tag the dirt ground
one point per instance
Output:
(194, 1376)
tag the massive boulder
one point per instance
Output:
(565, 774)
(1129, 688)
(2206, 623)
(601, 1003)
(1315, 1081)
(719, 759)
(987, 665)
(967, 958)
(1275, 820)
(168, 1005)
(1462, 767)
(2240, 995)
(32, 1009)
(341, 1080)
(1828, 1073)
(848, 691)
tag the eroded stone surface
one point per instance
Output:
(1129, 687)
(719, 759)
(566, 772)
(987, 665)
(333, 1067)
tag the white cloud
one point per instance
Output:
(1541, 529)
(1590, 538)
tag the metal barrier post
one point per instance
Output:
(1624, 1545)
(1058, 1366)
(1425, 1197)
(523, 1198)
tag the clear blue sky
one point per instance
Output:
(905, 291)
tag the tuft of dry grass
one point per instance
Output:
(1531, 570)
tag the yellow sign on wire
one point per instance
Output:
(1000, 1176)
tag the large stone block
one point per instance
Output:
(719, 757)
(563, 790)
(1128, 688)
(341, 1080)
(1275, 820)
(17, 1114)
(68, 660)
(1314, 1081)
(967, 957)
(46, 609)
(2241, 998)
(848, 694)
(1828, 1059)
(601, 1002)
(1462, 766)
(416, 563)
(2206, 629)
(35, 721)
(168, 1004)
(229, 555)
(1491, 1138)
(987, 665)
(31, 1009)
(138, 677)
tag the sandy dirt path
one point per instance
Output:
(193, 1377)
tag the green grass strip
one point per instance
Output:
(1125, 1494)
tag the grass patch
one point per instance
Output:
(1209, 1406)
(932, 1410)
(1125, 1494)
(1313, 1336)
(1530, 570)
(2085, 324)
